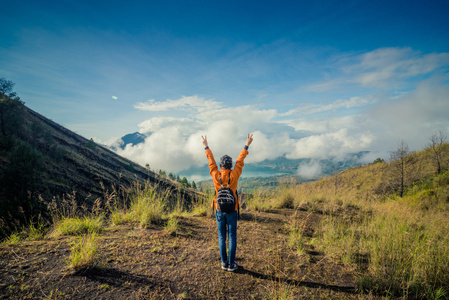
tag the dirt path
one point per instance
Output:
(150, 264)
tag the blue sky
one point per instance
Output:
(312, 79)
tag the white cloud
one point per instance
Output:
(312, 108)
(373, 122)
(311, 169)
(157, 123)
(185, 103)
(387, 66)
(412, 117)
(332, 144)
(175, 143)
(384, 68)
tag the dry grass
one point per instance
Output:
(400, 245)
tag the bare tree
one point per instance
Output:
(435, 148)
(400, 160)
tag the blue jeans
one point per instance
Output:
(227, 224)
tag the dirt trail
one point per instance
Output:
(150, 264)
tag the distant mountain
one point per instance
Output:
(279, 171)
(133, 139)
(271, 169)
(41, 160)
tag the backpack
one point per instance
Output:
(225, 197)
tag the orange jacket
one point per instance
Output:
(235, 174)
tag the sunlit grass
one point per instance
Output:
(12, 239)
(36, 231)
(201, 209)
(83, 252)
(295, 237)
(404, 250)
(78, 225)
(119, 217)
(171, 226)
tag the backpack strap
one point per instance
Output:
(219, 178)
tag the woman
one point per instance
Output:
(227, 221)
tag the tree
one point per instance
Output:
(400, 160)
(10, 113)
(378, 160)
(20, 177)
(6, 89)
(435, 147)
(147, 166)
(193, 185)
(185, 182)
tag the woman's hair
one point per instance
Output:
(226, 162)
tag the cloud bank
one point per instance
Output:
(311, 169)
(401, 94)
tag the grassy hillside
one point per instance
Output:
(378, 231)
(41, 161)
(398, 245)
(349, 236)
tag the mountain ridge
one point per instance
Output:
(42, 160)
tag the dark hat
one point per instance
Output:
(226, 162)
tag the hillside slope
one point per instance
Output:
(344, 237)
(41, 159)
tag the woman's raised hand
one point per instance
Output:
(249, 140)
(204, 141)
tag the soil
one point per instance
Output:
(136, 263)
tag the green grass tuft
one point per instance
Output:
(76, 226)
(83, 252)
(172, 225)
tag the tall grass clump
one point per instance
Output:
(120, 216)
(78, 225)
(83, 252)
(12, 239)
(171, 226)
(286, 198)
(202, 208)
(295, 237)
(69, 218)
(36, 231)
(148, 205)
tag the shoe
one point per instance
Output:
(224, 266)
(233, 267)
